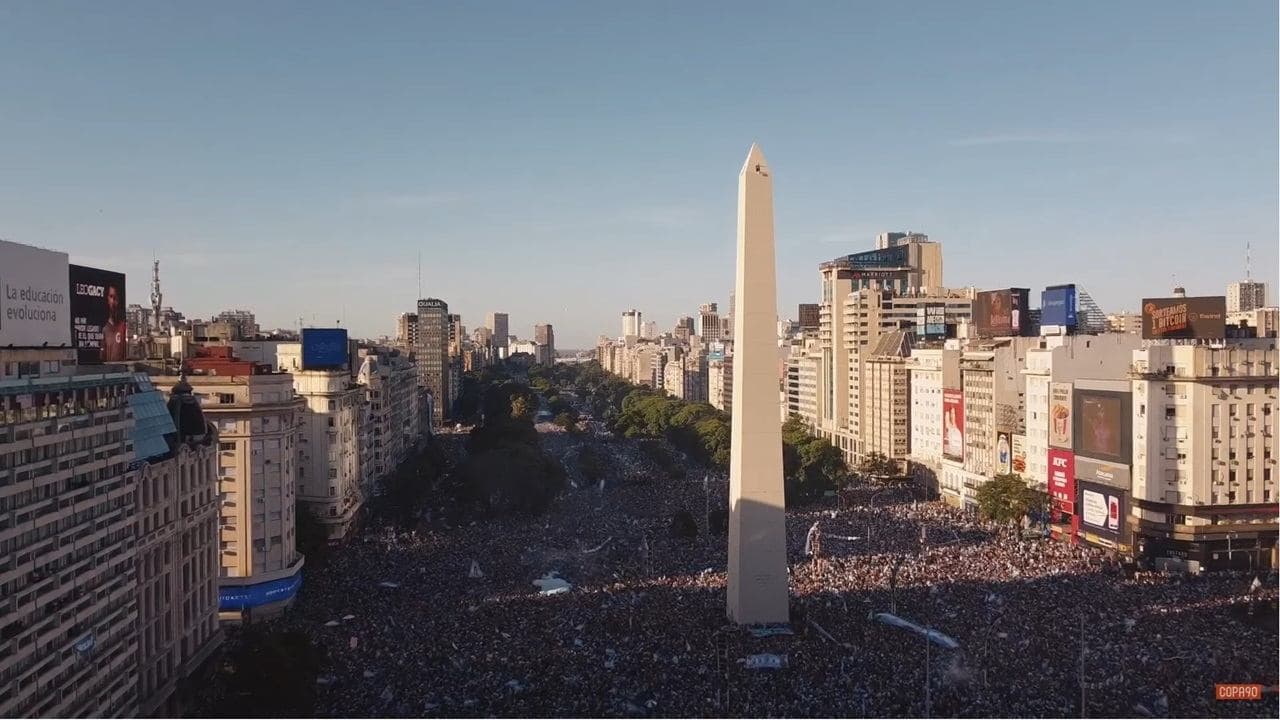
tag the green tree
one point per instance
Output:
(1007, 499)
(878, 464)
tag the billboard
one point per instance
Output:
(1060, 411)
(1062, 479)
(1102, 425)
(98, 328)
(894, 257)
(953, 425)
(932, 321)
(1058, 306)
(34, 305)
(1113, 475)
(1004, 453)
(1203, 318)
(240, 597)
(1102, 513)
(324, 348)
(1020, 454)
(1001, 313)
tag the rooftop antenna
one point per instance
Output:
(419, 275)
(1248, 261)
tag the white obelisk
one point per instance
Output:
(757, 512)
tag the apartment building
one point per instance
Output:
(259, 420)
(407, 331)
(886, 428)
(931, 370)
(720, 383)
(329, 462)
(177, 551)
(389, 379)
(1204, 453)
(1065, 359)
(432, 354)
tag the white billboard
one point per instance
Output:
(35, 307)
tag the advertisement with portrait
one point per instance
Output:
(1103, 513)
(1004, 453)
(1058, 306)
(993, 313)
(324, 348)
(1201, 318)
(1062, 479)
(1060, 411)
(953, 424)
(1020, 312)
(99, 331)
(1020, 454)
(34, 303)
(1102, 425)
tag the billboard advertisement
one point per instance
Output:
(1102, 425)
(1058, 306)
(1020, 454)
(993, 313)
(240, 597)
(98, 328)
(1060, 411)
(34, 305)
(894, 257)
(1062, 478)
(1102, 513)
(933, 324)
(324, 348)
(1104, 473)
(953, 425)
(1203, 318)
(1004, 453)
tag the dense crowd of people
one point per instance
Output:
(446, 619)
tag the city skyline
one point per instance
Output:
(341, 157)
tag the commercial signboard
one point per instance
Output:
(1203, 318)
(1111, 474)
(240, 597)
(1001, 313)
(1058, 306)
(1060, 410)
(1004, 453)
(1020, 454)
(953, 424)
(1102, 513)
(894, 257)
(1102, 425)
(1062, 479)
(99, 330)
(34, 304)
(324, 348)
(933, 325)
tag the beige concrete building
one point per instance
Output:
(107, 562)
(1264, 320)
(407, 331)
(710, 328)
(177, 552)
(259, 420)
(1128, 323)
(329, 462)
(391, 393)
(631, 321)
(994, 393)
(720, 384)
(886, 428)
(931, 370)
(1066, 359)
(1204, 452)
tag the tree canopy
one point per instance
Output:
(1007, 499)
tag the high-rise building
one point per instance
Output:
(808, 316)
(177, 547)
(1204, 453)
(243, 320)
(432, 353)
(258, 417)
(391, 391)
(407, 330)
(932, 370)
(498, 328)
(887, 426)
(1264, 320)
(631, 323)
(887, 240)
(709, 328)
(545, 336)
(329, 461)
(1247, 295)
(649, 330)
(457, 334)
(720, 383)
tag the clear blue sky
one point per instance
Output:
(566, 161)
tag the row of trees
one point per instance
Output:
(811, 465)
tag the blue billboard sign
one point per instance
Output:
(1058, 306)
(894, 257)
(324, 348)
(241, 597)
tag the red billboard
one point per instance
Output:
(1062, 479)
(953, 425)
